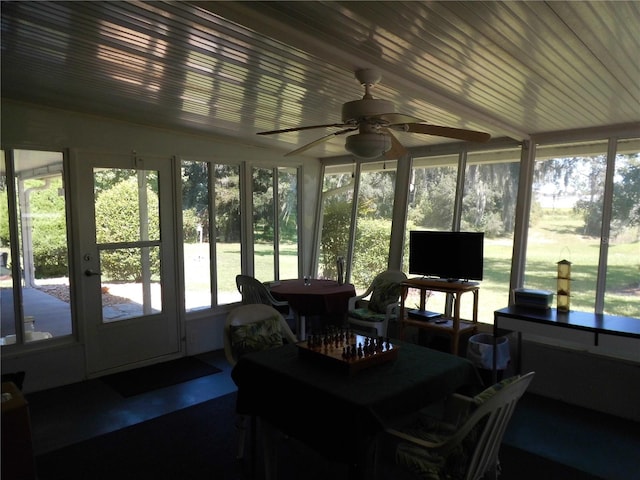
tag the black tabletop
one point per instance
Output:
(589, 321)
(313, 402)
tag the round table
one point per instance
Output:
(320, 297)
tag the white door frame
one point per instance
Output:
(139, 339)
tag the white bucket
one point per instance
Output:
(480, 351)
(29, 325)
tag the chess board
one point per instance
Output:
(347, 351)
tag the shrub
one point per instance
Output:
(335, 236)
(49, 236)
(118, 220)
(190, 222)
(372, 255)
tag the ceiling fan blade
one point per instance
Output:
(296, 129)
(319, 141)
(397, 149)
(394, 118)
(460, 134)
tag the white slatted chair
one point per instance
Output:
(465, 444)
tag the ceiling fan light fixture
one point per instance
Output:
(368, 145)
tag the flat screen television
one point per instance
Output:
(454, 256)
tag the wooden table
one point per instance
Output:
(450, 323)
(280, 386)
(320, 297)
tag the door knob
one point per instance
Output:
(90, 273)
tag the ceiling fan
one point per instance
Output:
(374, 120)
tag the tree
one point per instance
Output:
(377, 193)
(227, 202)
(335, 235)
(4, 213)
(288, 204)
(263, 208)
(195, 200)
(626, 199)
(373, 254)
(490, 198)
(434, 191)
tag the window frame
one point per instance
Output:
(247, 240)
(527, 150)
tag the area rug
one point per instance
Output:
(160, 375)
(193, 443)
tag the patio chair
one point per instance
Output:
(464, 443)
(382, 304)
(254, 291)
(250, 328)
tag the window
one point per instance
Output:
(565, 219)
(33, 223)
(195, 235)
(373, 223)
(622, 291)
(127, 217)
(288, 222)
(226, 231)
(489, 206)
(210, 233)
(275, 223)
(336, 204)
(211, 223)
(264, 221)
(568, 216)
(583, 208)
(489, 195)
(432, 193)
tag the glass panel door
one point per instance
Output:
(128, 242)
(129, 287)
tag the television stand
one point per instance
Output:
(452, 325)
(423, 314)
(446, 281)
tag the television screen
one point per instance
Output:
(449, 255)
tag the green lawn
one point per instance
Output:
(550, 240)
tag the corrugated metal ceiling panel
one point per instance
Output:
(236, 68)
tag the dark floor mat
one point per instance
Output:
(192, 443)
(160, 375)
